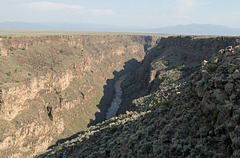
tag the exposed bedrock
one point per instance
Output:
(51, 86)
(55, 86)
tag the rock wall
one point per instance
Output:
(78, 41)
(185, 52)
(51, 85)
(192, 113)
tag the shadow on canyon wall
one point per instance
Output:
(107, 98)
(109, 91)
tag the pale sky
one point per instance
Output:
(141, 13)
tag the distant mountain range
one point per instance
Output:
(191, 29)
(200, 29)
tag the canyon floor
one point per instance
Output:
(180, 95)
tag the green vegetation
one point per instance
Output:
(8, 73)
(170, 76)
(221, 86)
(110, 121)
(3, 36)
(57, 149)
(61, 51)
(157, 99)
(215, 114)
(212, 67)
(147, 148)
(52, 69)
(184, 68)
(168, 103)
(113, 129)
(11, 48)
(29, 74)
(166, 63)
(58, 92)
(209, 78)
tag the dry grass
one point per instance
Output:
(17, 33)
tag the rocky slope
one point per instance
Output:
(172, 58)
(51, 87)
(186, 109)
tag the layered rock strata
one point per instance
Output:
(51, 86)
(184, 114)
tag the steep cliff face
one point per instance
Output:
(189, 110)
(51, 86)
(171, 58)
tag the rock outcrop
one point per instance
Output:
(182, 55)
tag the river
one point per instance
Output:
(117, 98)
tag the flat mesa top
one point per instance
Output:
(17, 33)
(21, 33)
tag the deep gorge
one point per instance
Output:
(53, 87)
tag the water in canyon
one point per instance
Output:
(117, 99)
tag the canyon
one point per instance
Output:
(51, 86)
(56, 89)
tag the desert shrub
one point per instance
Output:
(221, 86)
(52, 69)
(185, 69)
(215, 114)
(8, 73)
(113, 129)
(152, 115)
(61, 51)
(168, 103)
(11, 48)
(163, 107)
(157, 99)
(209, 78)
(166, 63)
(29, 74)
(58, 92)
(147, 148)
(58, 149)
(212, 67)
(236, 142)
(109, 121)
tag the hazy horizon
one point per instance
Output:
(125, 13)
